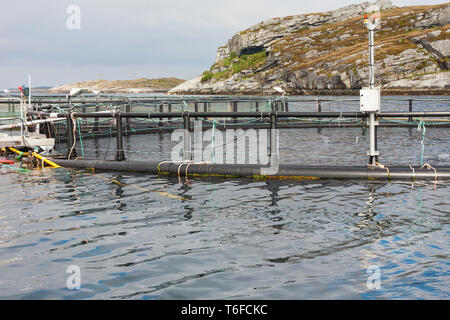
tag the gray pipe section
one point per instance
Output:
(284, 172)
(246, 114)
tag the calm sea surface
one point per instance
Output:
(231, 238)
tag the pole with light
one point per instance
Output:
(370, 97)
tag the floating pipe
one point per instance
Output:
(180, 99)
(295, 172)
(27, 123)
(245, 114)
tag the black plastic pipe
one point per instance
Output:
(120, 154)
(284, 172)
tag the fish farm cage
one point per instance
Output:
(71, 121)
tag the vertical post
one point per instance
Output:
(319, 109)
(161, 110)
(169, 105)
(373, 152)
(84, 110)
(273, 140)
(29, 95)
(235, 109)
(187, 154)
(120, 154)
(319, 106)
(70, 137)
(196, 107)
(364, 122)
(286, 106)
(205, 107)
(410, 119)
(371, 57)
(128, 119)
(97, 108)
(257, 106)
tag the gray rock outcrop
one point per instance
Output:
(326, 53)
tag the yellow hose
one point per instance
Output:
(51, 163)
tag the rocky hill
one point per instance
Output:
(122, 86)
(327, 53)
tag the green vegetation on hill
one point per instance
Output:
(235, 64)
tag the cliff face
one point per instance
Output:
(327, 53)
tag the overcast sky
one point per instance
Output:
(129, 39)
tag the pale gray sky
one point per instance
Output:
(130, 39)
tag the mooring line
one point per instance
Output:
(11, 167)
(179, 168)
(186, 171)
(74, 135)
(377, 164)
(428, 166)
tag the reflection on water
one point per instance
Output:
(232, 239)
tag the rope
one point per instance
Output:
(74, 136)
(377, 164)
(428, 166)
(159, 164)
(186, 171)
(179, 167)
(18, 169)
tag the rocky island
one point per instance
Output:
(327, 53)
(142, 85)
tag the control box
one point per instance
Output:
(370, 100)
